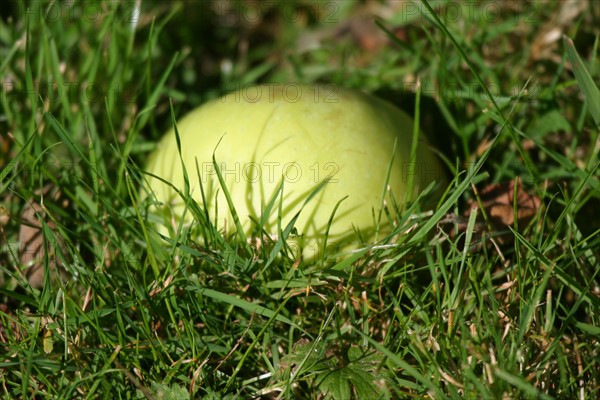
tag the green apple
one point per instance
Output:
(348, 149)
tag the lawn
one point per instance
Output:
(493, 293)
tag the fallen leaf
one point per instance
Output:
(11, 332)
(498, 200)
(546, 43)
(499, 205)
(32, 242)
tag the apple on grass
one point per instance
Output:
(322, 157)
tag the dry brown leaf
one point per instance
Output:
(4, 150)
(31, 240)
(15, 333)
(546, 43)
(360, 28)
(498, 202)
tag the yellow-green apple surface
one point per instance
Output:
(353, 147)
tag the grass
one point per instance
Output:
(87, 92)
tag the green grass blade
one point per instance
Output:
(584, 79)
(249, 307)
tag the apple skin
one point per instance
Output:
(263, 134)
